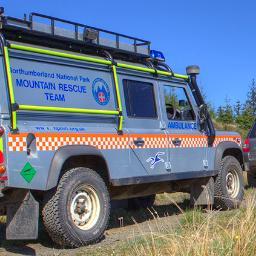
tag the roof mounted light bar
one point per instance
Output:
(157, 56)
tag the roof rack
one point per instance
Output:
(54, 32)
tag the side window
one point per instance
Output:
(177, 104)
(139, 99)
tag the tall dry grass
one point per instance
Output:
(199, 233)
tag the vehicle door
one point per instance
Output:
(252, 146)
(187, 144)
(148, 142)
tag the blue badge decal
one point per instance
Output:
(155, 159)
(100, 91)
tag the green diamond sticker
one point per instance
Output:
(28, 172)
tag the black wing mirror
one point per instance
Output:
(203, 114)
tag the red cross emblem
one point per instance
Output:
(101, 97)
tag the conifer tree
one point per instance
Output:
(237, 109)
(251, 98)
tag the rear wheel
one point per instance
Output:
(141, 202)
(77, 212)
(229, 188)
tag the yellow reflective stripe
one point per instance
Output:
(68, 110)
(152, 71)
(59, 54)
(120, 125)
(82, 58)
(94, 60)
(137, 68)
(119, 102)
(9, 76)
(184, 77)
(10, 87)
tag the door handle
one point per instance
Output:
(139, 142)
(176, 142)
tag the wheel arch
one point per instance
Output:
(228, 148)
(73, 156)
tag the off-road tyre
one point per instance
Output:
(141, 202)
(222, 198)
(57, 215)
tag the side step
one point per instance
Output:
(22, 217)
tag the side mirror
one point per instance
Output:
(203, 114)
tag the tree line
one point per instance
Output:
(241, 114)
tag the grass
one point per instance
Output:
(213, 233)
(173, 229)
(199, 232)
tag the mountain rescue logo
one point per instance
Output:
(155, 159)
(100, 91)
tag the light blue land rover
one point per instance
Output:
(86, 120)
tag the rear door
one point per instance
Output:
(187, 144)
(148, 142)
(252, 153)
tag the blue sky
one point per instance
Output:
(219, 36)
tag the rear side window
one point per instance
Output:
(252, 133)
(139, 99)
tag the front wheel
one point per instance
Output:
(77, 212)
(229, 187)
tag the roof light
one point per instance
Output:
(157, 55)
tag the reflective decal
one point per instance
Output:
(155, 159)
(51, 141)
(28, 172)
(182, 125)
(100, 91)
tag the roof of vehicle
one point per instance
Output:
(63, 34)
(47, 31)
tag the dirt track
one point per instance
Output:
(124, 225)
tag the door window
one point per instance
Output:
(177, 104)
(139, 99)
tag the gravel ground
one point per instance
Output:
(124, 226)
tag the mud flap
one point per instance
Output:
(22, 218)
(202, 192)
